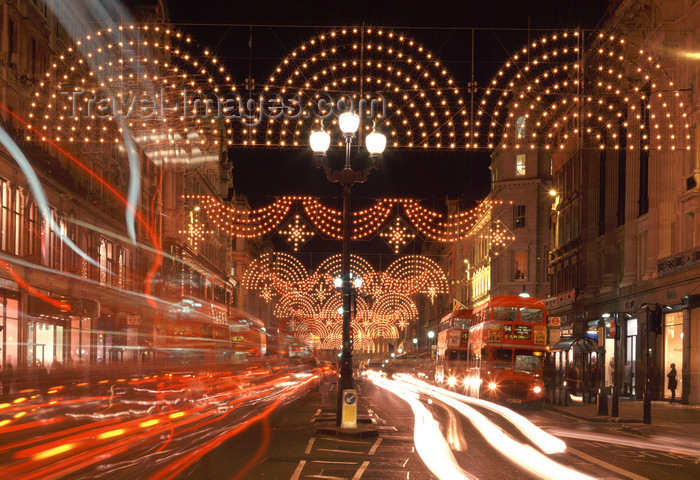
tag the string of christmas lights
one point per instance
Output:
(248, 223)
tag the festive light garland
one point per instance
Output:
(540, 99)
(248, 223)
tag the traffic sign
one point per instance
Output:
(349, 412)
(613, 329)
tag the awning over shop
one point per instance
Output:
(581, 344)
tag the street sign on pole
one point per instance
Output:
(349, 415)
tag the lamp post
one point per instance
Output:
(431, 335)
(320, 140)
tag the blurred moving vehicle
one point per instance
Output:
(452, 348)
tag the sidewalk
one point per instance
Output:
(666, 418)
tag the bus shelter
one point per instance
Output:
(573, 371)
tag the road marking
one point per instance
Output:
(297, 472)
(308, 447)
(326, 477)
(331, 461)
(338, 451)
(374, 447)
(333, 439)
(360, 470)
(606, 465)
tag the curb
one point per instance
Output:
(597, 418)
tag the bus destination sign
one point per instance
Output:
(517, 332)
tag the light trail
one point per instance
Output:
(182, 435)
(429, 441)
(523, 456)
(547, 443)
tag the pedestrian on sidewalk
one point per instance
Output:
(627, 379)
(672, 382)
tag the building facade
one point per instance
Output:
(106, 299)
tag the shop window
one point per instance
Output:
(673, 350)
(4, 214)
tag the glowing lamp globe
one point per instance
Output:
(376, 143)
(320, 141)
(349, 122)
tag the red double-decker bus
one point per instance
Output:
(452, 348)
(507, 343)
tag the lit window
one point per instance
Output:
(520, 164)
(519, 265)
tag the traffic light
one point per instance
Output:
(655, 320)
(351, 336)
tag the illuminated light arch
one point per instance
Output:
(392, 307)
(382, 330)
(309, 303)
(554, 94)
(163, 70)
(333, 266)
(297, 306)
(275, 272)
(424, 107)
(279, 274)
(416, 274)
(332, 342)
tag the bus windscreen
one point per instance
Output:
(525, 361)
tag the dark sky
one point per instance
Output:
(499, 28)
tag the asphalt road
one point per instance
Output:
(292, 445)
(281, 425)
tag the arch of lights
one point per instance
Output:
(418, 103)
(252, 223)
(151, 83)
(309, 302)
(556, 94)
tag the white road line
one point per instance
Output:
(338, 451)
(308, 447)
(374, 447)
(606, 465)
(326, 477)
(334, 439)
(361, 470)
(331, 461)
(297, 472)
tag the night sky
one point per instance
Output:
(444, 27)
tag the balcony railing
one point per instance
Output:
(678, 261)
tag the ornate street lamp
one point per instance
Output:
(320, 140)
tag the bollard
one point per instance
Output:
(602, 402)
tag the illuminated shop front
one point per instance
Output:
(9, 320)
(673, 350)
